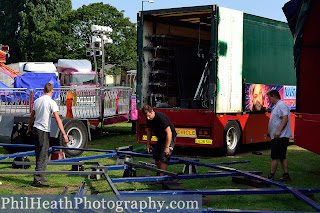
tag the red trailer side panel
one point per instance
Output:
(308, 79)
(188, 123)
(308, 102)
(307, 132)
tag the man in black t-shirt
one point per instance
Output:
(160, 125)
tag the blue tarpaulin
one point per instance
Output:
(5, 94)
(35, 81)
(2, 85)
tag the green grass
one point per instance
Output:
(304, 170)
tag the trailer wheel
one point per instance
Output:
(232, 137)
(78, 137)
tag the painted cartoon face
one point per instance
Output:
(258, 97)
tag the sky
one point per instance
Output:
(266, 8)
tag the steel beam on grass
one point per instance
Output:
(50, 163)
(175, 160)
(296, 193)
(81, 192)
(113, 187)
(63, 193)
(292, 190)
(244, 211)
(17, 145)
(220, 192)
(19, 154)
(180, 177)
(152, 169)
(140, 154)
(51, 172)
(217, 163)
(231, 162)
(22, 163)
(116, 167)
(82, 149)
(87, 158)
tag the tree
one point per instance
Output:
(46, 30)
(9, 26)
(77, 28)
(24, 21)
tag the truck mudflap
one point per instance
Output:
(6, 126)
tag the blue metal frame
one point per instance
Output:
(20, 154)
(244, 211)
(87, 158)
(82, 191)
(180, 177)
(221, 192)
(298, 193)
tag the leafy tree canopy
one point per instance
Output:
(24, 20)
(122, 52)
(46, 30)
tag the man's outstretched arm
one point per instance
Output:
(60, 125)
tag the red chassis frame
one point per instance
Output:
(254, 126)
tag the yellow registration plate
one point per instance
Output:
(203, 141)
(191, 133)
(154, 138)
(185, 132)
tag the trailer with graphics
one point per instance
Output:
(304, 18)
(209, 68)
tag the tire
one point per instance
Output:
(78, 137)
(231, 137)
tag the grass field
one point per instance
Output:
(303, 165)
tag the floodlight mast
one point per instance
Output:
(102, 33)
(150, 1)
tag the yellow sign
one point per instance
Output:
(191, 133)
(154, 138)
(203, 141)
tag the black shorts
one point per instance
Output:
(158, 152)
(279, 148)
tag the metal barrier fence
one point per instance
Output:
(14, 101)
(116, 101)
(83, 102)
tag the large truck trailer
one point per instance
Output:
(209, 68)
(304, 18)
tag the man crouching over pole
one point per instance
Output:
(42, 111)
(160, 125)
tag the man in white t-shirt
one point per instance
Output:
(280, 131)
(43, 108)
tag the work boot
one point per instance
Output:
(285, 178)
(39, 184)
(271, 176)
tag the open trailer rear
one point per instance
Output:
(209, 69)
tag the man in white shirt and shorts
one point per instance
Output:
(280, 131)
(43, 108)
